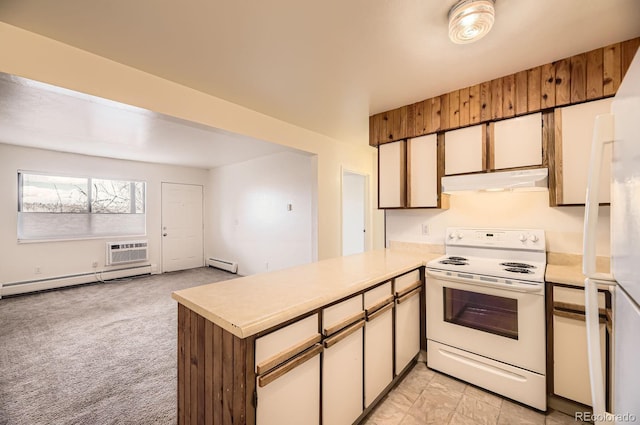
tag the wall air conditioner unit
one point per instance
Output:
(126, 252)
(230, 266)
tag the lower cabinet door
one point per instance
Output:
(570, 358)
(407, 329)
(342, 379)
(290, 393)
(378, 354)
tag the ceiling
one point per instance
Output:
(69, 121)
(325, 66)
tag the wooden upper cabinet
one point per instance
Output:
(516, 142)
(583, 77)
(392, 175)
(464, 150)
(573, 136)
(422, 172)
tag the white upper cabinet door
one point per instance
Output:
(422, 158)
(464, 150)
(392, 175)
(574, 132)
(517, 142)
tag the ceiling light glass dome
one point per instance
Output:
(470, 20)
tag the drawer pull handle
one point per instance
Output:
(379, 305)
(408, 289)
(408, 295)
(371, 316)
(342, 335)
(576, 316)
(287, 367)
(349, 321)
(282, 356)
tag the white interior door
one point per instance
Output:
(354, 190)
(182, 229)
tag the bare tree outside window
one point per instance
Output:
(53, 194)
(116, 196)
(62, 207)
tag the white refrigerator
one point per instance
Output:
(621, 129)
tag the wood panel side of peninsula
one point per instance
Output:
(216, 378)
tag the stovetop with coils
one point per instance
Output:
(507, 253)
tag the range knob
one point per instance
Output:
(533, 238)
(522, 238)
(452, 235)
(459, 235)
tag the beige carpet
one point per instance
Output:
(94, 354)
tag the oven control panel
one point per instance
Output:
(503, 238)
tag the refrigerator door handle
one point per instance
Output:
(602, 134)
(596, 374)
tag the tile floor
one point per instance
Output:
(428, 397)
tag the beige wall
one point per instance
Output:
(32, 56)
(563, 226)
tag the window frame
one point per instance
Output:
(89, 213)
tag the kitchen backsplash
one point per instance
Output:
(563, 225)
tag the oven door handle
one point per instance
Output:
(516, 287)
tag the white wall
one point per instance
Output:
(32, 56)
(54, 259)
(248, 215)
(562, 225)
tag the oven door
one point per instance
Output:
(502, 322)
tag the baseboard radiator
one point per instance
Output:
(230, 266)
(23, 287)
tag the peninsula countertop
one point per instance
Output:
(249, 305)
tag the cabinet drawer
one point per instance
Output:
(406, 282)
(575, 297)
(341, 315)
(378, 296)
(283, 344)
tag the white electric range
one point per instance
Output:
(486, 311)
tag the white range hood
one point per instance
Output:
(532, 179)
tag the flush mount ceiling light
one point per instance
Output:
(470, 20)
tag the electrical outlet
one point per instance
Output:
(425, 230)
(94, 264)
(266, 266)
(37, 270)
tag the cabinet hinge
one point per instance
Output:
(255, 399)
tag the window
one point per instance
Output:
(64, 207)
(53, 194)
(117, 197)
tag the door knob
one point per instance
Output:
(164, 234)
